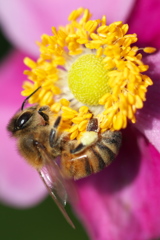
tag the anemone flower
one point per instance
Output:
(16, 18)
(122, 201)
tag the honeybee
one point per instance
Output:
(40, 142)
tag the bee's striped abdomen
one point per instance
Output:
(93, 158)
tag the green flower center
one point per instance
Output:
(88, 79)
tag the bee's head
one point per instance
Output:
(23, 118)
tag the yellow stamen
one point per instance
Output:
(89, 69)
(149, 49)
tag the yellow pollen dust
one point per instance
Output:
(88, 79)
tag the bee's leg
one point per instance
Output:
(89, 137)
(42, 111)
(93, 125)
(53, 132)
(78, 149)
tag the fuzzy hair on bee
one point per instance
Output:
(31, 128)
(40, 142)
(36, 131)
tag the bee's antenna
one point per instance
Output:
(29, 97)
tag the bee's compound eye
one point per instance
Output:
(22, 120)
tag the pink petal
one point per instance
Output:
(144, 20)
(25, 21)
(148, 118)
(123, 201)
(20, 185)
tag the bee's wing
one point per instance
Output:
(52, 178)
